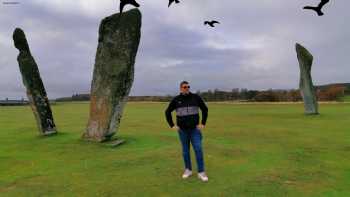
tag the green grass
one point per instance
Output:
(346, 98)
(250, 150)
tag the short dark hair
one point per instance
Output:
(183, 82)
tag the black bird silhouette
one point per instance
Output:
(172, 1)
(125, 2)
(211, 23)
(318, 9)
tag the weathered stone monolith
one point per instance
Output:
(35, 88)
(306, 86)
(119, 37)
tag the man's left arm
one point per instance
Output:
(204, 110)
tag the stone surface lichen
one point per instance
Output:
(35, 88)
(306, 86)
(119, 37)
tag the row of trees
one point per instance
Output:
(86, 97)
(329, 93)
(332, 93)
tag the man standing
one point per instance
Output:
(186, 105)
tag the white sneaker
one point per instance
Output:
(186, 174)
(202, 176)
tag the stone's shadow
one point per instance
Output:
(57, 134)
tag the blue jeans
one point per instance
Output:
(194, 137)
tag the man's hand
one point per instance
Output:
(200, 126)
(175, 128)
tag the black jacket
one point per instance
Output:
(187, 113)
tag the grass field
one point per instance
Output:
(346, 98)
(250, 150)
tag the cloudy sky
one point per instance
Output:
(253, 47)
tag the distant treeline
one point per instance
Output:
(75, 97)
(332, 92)
(8, 102)
(86, 97)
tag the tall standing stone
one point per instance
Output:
(35, 88)
(119, 37)
(306, 86)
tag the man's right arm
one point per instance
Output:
(169, 118)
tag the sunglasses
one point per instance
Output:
(185, 87)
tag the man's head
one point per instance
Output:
(184, 87)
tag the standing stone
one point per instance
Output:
(119, 37)
(306, 86)
(35, 88)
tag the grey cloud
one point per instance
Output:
(252, 48)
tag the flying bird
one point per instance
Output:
(318, 9)
(125, 2)
(172, 1)
(211, 23)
